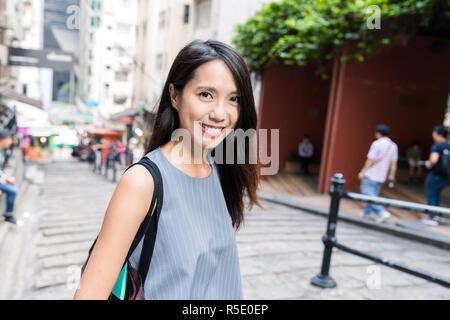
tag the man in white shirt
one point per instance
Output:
(305, 151)
(381, 161)
(7, 184)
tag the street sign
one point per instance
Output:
(48, 58)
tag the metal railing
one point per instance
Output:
(337, 192)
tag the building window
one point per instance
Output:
(202, 13)
(159, 61)
(121, 76)
(186, 13)
(121, 52)
(125, 3)
(162, 19)
(123, 28)
(119, 99)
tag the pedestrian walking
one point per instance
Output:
(439, 177)
(414, 155)
(98, 147)
(381, 163)
(207, 93)
(122, 155)
(305, 151)
(8, 184)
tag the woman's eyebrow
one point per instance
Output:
(213, 89)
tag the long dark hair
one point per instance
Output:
(237, 180)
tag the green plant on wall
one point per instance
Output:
(304, 31)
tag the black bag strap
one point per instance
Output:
(149, 225)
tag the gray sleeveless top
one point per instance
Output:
(195, 254)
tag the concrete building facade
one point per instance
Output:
(107, 42)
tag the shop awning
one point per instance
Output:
(42, 132)
(11, 94)
(30, 116)
(131, 112)
(104, 132)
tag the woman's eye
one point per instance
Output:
(236, 99)
(205, 94)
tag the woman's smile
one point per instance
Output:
(211, 130)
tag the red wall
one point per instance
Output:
(404, 87)
(293, 100)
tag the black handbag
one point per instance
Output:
(135, 279)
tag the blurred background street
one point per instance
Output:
(80, 82)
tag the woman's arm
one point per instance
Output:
(126, 211)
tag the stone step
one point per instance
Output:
(64, 260)
(71, 230)
(54, 277)
(73, 238)
(70, 218)
(69, 223)
(58, 249)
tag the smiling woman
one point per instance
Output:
(207, 94)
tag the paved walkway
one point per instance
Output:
(280, 249)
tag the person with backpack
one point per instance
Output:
(439, 177)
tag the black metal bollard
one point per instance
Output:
(323, 279)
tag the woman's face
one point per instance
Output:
(208, 104)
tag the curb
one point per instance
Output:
(422, 236)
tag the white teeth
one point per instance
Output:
(212, 131)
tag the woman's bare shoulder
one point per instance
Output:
(133, 193)
(137, 176)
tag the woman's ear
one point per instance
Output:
(173, 96)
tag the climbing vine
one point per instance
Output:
(304, 31)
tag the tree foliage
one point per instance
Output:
(304, 31)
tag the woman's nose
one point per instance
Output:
(218, 112)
